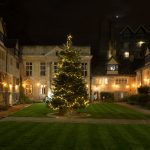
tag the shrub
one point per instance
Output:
(138, 99)
(107, 96)
(133, 99)
(144, 90)
(25, 99)
(143, 99)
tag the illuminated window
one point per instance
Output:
(84, 69)
(126, 54)
(28, 89)
(42, 68)
(43, 90)
(140, 43)
(121, 81)
(55, 67)
(103, 81)
(28, 68)
(112, 67)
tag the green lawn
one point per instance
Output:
(63, 136)
(35, 110)
(105, 110)
(112, 110)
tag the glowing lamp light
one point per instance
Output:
(117, 16)
(126, 54)
(102, 85)
(10, 86)
(38, 84)
(87, 85)
(113, 85)
(133, 85)
(140, 43)
(43, 86)
(127, 86)
(146, 80)
(96, 88)
(139, 84)
(24, 85)
(4, 84)
(116, 86)
(16, 87)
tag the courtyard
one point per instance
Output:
(109, 126)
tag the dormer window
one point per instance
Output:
(112, 67)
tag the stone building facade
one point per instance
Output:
(40, 65)
(143, 73)
(9, 71)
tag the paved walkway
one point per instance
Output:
(12, 109)
(75, 120)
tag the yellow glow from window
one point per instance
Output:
(115, 86)
(16, 87)
(10, 86)
(38, 84)
(126, 54)
(139, 44)
(24, 85)
(127, 86)
(95, 88)
(4, 84)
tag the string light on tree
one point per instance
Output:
(70, 91)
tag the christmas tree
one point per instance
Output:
(69, 93)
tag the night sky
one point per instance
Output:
(49, 21)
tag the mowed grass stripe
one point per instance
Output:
(36, 137)
(127, 112)
(8, 126)
(141, 137)
(14, 133)
(47, 138)
(29, 136)
(83, 139)
(66, 138)
(109, 142)
(102, 110)
(124, 139)
(120, 112)
(124, 112)
(113, 111)
(35, 110)
(54, 136)
(94, 143)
